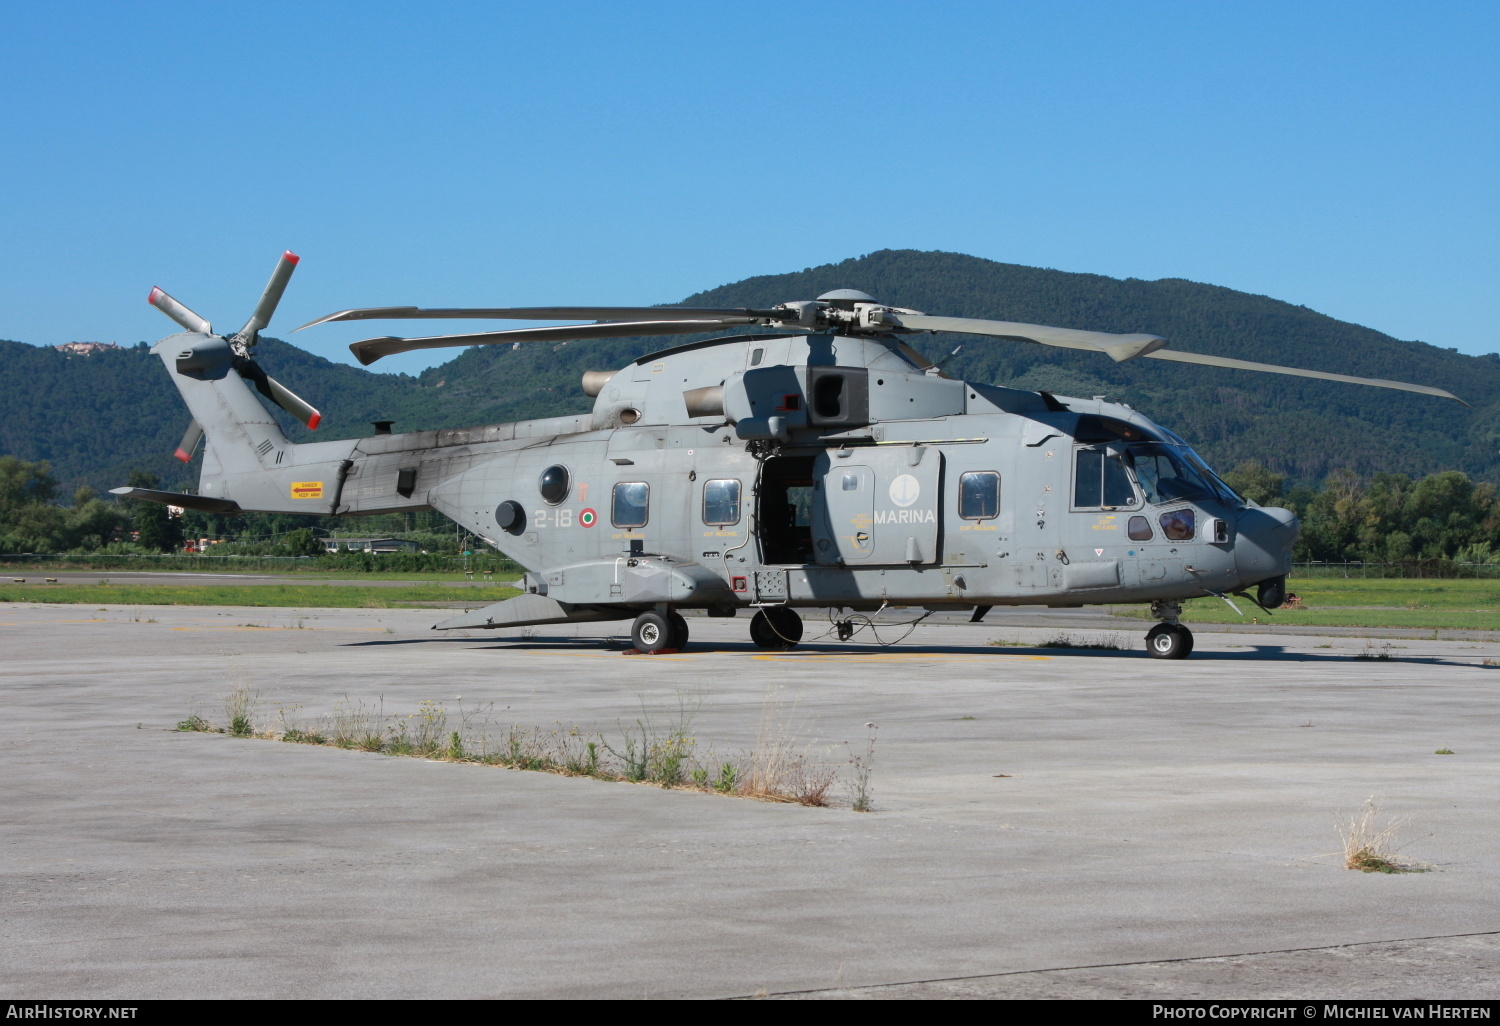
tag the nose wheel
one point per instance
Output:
(1169, 641)
(776, 628)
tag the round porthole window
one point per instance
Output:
(553, 484)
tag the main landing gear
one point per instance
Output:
(1169, 639)
(776, 627)
(655, 632)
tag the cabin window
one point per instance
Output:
(553, 484)
(721, 503)
(757, 355)
(1139, 529)
(1178, 525)
(979, 495)
(1100, 480)
(631, 505)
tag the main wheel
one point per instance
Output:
(651, 632)
(1169, 641)
(776, 628)
(679, 631)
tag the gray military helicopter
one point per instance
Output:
(823, 463)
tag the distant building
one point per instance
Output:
(85, 348)
(369, 545)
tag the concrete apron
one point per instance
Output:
(1148, 810)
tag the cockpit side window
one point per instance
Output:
(1166, 475)
(1100, 480)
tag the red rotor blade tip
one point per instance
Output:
(184, 457)
(155, 291)
(290, 257)
(314, 421)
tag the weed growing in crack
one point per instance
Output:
(1370, 847)
(1111, 642)
(239, 711)
(861, 765)
(656, 749)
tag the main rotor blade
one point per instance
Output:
(270, 297)
(179, 313)
(554, 313)
(278, 393)
(1118, 347)
(372, 349)
(1224, 361)
(190, 439)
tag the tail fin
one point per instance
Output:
(247, 453)
(243, 439)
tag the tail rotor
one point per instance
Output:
(242, 343)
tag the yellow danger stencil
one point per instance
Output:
(307, 489)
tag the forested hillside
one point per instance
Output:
(98, 416)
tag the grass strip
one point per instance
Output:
(1430, 604)
(1199, 611)
(278, 595)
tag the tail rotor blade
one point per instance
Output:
(190, 439)
(294, 404)
(278, 393)
(270, 297)
(179, 313)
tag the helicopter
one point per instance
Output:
(819, 462)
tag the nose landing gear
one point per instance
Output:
(1169, 639)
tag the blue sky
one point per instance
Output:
(1339, 155)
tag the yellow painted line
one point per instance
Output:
(855, 657)
(254, 627)
(893, 657)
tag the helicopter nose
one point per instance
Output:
(1264, 547)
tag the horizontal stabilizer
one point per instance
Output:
(531, 610)
(201, 503)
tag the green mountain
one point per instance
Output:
(97, 416)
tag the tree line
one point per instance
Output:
(1386, 518)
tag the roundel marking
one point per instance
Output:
(905, 490)
(588, 518)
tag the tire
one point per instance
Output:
(776, 628)
(787, 623)
(1169, 641)
(651, 632)
(678, 631)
